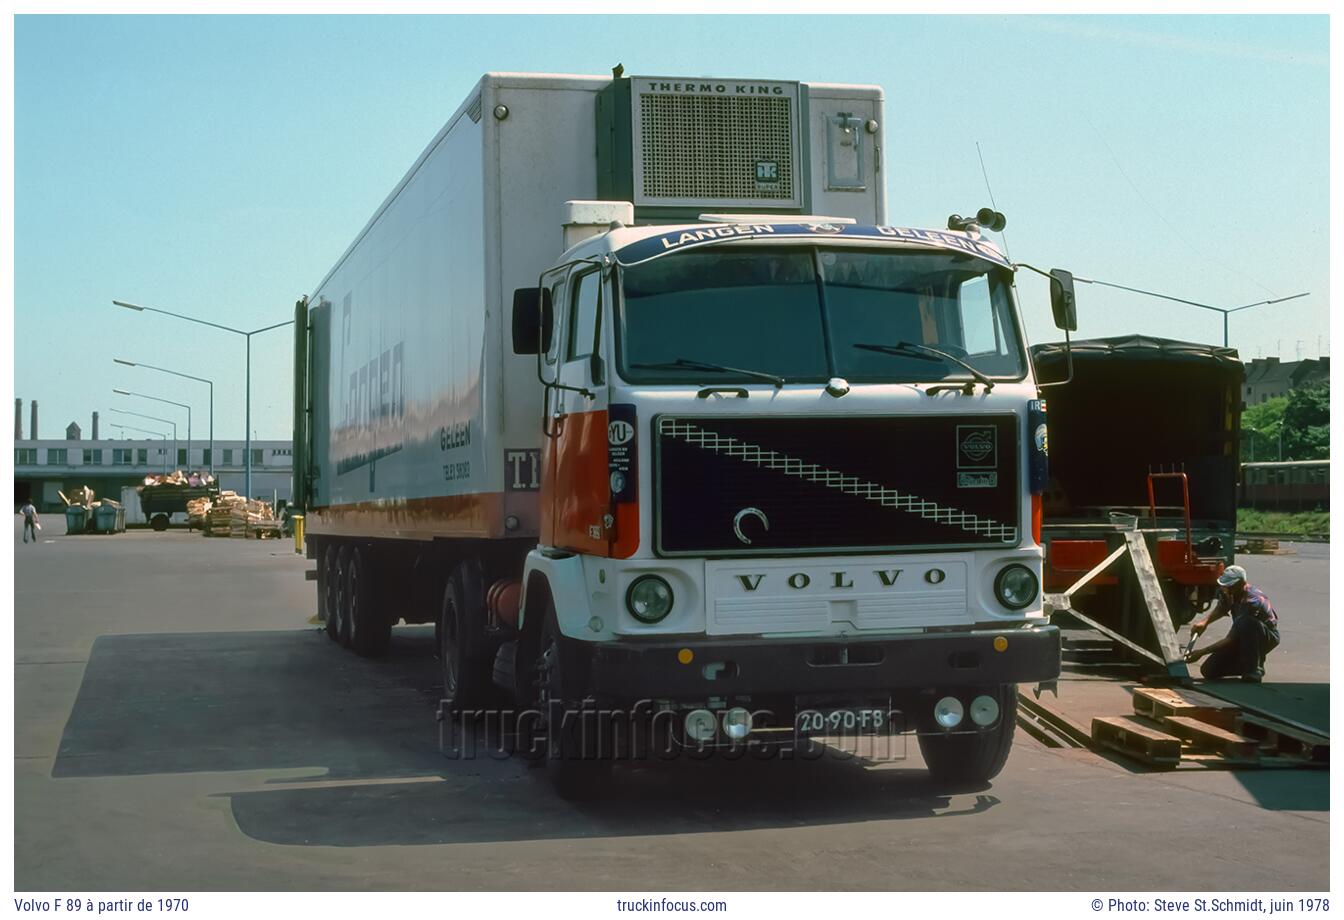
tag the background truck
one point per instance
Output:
(597, 393)
(1146, 431)
(160, 501)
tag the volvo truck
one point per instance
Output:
(632, 389)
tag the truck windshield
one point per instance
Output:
(807, 314)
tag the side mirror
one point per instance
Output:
(533, 321)
(1062, 301)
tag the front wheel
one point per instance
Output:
(973, 756)
(578, 765)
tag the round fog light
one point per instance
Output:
(1016, 587)
(948, 712)
(649, 598)
(737, 723)
(984, 711)
(701, 725)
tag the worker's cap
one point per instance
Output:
(1232, 575)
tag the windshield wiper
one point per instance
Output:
(688, 364)
(910, 349)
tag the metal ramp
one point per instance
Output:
(1171, 658)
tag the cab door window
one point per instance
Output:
(584, 318)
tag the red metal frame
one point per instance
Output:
(1185, 501)
(1184, 568)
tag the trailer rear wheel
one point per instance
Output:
(467, 681)
(328, 576)
(343, 596)
(973, 757)
(159, 521)
(370, 631)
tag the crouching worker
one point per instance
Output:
(1254, 633)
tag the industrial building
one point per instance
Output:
(45, 467)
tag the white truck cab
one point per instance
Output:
(787, 461)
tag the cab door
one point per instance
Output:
(576, 492)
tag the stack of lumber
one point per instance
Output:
(197, 509)
(218, 519)
(252, 519)
(231, 515)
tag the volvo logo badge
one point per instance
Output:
(745, 513)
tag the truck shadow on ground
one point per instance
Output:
(249, 701)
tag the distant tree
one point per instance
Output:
(1306, 423)
(1260, 430)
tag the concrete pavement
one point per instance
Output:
(179, 726)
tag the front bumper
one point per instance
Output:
(732, 667)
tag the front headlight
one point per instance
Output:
(649, 598)
(1016, 587)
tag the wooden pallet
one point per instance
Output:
(1159, 703)
(1137, 738)
(1265, 546)
(1206, 738)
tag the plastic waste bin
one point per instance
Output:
(76, 519)
(108, 519)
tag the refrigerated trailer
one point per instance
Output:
(631, 389)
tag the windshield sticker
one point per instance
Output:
(677, 240)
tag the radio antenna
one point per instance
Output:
(992, 203)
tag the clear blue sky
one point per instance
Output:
(218, 166)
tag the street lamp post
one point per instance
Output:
(209, 383)
(153, 418)
(1262, 434)
(158, 434)
(171, 403)
(1203, 306)
(247, 434)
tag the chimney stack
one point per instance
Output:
(95, 426)
(32, 426)
(18, 419)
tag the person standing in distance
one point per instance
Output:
(30, 524)
(1254, 634)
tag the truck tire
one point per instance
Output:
(973, 758)
(328, 576)
(343, 596)
(370, 631)
(577, 766)
(467, 680)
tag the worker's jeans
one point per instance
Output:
(27, 528)
(1251, 641)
